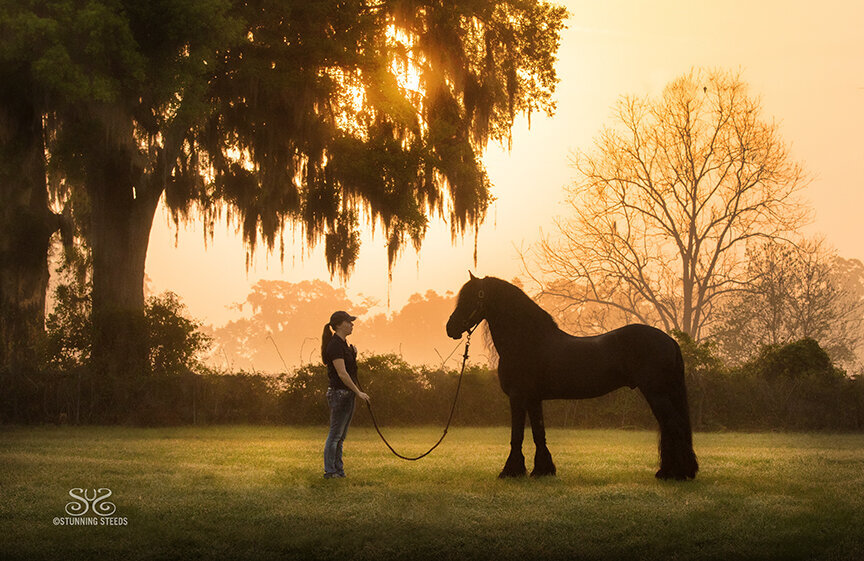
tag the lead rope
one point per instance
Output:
(450, 418)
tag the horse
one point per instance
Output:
(538, 361)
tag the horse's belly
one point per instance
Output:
(585, 380)
(584, 389)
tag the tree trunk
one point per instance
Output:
(27, 226)
(120, 226)
(687, 305)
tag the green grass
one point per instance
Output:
(243, 492)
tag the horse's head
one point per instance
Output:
(470, 308)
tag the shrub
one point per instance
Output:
(798, 359)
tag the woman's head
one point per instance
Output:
(341, 323)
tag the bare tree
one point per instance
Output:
(796, 291)
(665, 204)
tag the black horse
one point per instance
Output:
(538, 361)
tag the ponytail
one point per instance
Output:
(325, 339)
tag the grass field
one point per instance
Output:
(242, 492)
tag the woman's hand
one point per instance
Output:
(363, 396)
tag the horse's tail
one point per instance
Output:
(681, 385)
(680, 397)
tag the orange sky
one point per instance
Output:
(805, 59)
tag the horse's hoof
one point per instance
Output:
(543, 469)
(666, 475)
(506, 473)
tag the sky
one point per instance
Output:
(805, 61)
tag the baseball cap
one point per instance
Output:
(339, 317)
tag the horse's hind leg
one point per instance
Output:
(677, 459)
(543, 464)
(515, 466)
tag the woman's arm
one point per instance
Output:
(339, 364)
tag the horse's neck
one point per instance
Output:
(509, 332)
(495, 330)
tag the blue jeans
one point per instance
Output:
(341, 410)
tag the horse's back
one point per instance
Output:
(643, 336)
(640, 343)
(632, 355)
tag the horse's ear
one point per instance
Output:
(470, 274)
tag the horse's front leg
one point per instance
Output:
(515, 466)
(543, 464)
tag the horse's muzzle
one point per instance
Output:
(454, 332)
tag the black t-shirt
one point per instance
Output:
(339, 348)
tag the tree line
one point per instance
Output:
(282, 321)
(784, 383)
(789, 387)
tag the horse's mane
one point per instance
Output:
(515, 304)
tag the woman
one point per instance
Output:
(341, 361)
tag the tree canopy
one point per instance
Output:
(332, 112)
